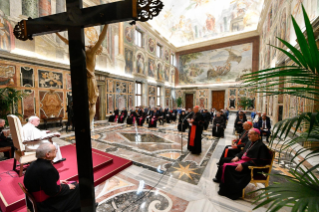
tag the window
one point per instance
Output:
(138, 94)
(158, 50)
(138, 38)
(158, 96)
(172, 59)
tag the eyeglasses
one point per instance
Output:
(53, 150)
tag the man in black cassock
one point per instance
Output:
(122, 116)
(153, 120)
(218, 126)
(132, 117)
(150, 114)
(174, 114)
(159, 115)
(207, 118)
(141, 117)
(195, 132)
(233, 173)
(4, 141)
(232, 150)
(183, 124)
(239, 122)
(42, 180)
(114, 116)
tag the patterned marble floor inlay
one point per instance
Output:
(156, 149)
(133, 137)
(121, 193)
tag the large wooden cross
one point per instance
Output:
(74, 21)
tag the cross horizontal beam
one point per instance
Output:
(86, 17)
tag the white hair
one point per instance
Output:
(1, 120)
(43, 149)
(31, 118)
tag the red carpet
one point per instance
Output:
(104, 165)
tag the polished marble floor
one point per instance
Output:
(165, 177)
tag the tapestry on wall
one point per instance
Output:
(216, 66)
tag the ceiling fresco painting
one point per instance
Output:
(185, 22)
(216, 66)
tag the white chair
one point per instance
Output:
(18, 141)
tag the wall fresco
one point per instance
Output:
(218, 65)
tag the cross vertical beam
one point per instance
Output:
(81, 111)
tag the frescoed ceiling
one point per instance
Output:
(184, 22)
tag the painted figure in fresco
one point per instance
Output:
(128, 61)
(6, 33)
(159, 72)
(151, 44)
(151, 68)
(128, 34)
(140, 64)
(210, 22)
(91, 53)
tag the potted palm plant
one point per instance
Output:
(301, 189)
(8, 98)
(179, 102)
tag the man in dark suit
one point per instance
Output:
(264, 126)
(4, 141)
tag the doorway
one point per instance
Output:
(189, 101)
(218, 100)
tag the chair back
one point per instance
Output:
(16, 132)
(273, 154)
(29, 199)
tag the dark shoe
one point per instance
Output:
(63, 159)
(217, 164)
(216, 180)
(96, 204)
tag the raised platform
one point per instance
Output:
(104, 165)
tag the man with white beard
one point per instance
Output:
(32, 133)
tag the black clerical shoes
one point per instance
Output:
(63, 159)
(216, 180)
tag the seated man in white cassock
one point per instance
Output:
(32, 133)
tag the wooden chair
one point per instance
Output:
(18, 141)
(29, 200)
(257, 177)
(6, 149)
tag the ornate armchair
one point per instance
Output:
(257, 176)
(18, 141)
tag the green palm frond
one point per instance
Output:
(301, 193)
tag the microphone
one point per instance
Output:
(191, 113)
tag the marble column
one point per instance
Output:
(30, 8)
(44, 8)
(5, 7)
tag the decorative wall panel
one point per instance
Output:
(28, 104)
(7, 74)
(119, 94)
(51, 104)
(27, 77)
(49, 79)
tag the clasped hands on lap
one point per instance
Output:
(239, 167)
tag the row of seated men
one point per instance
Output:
(140, 115)
(42, 179)
(233, 173)
(262, 123)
